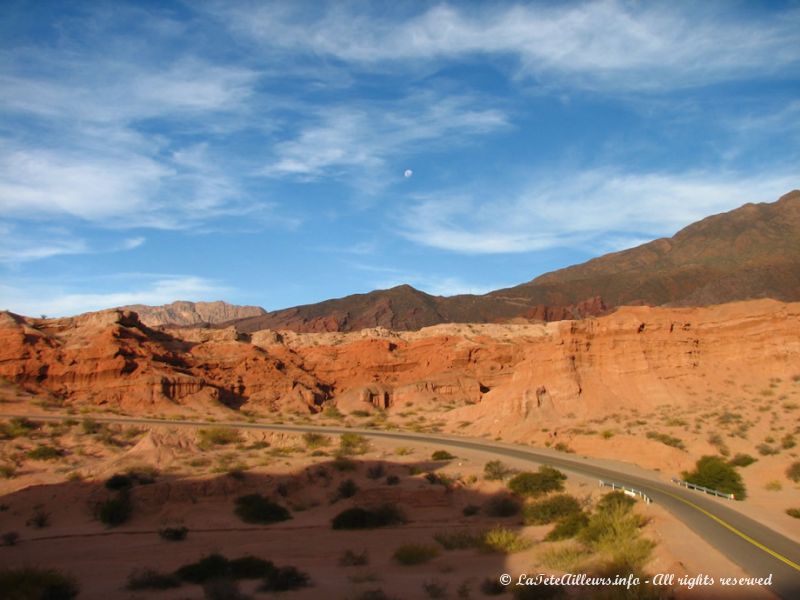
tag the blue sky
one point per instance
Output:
(256, 152)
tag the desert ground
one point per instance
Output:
(641, 388)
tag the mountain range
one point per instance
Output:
(747, 253)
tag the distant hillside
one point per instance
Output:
(193, 313)
(750, 252)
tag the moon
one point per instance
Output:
(408, 173)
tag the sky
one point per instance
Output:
(284, 153)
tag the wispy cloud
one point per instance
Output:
(62, 300)
(605, 45)
(598, 209)
(357, 140)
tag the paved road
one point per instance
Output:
(759, 550)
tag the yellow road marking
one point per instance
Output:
(741, 534)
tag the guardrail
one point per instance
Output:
(628, 491)
(700, 488)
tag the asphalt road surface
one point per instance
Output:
(759, 550)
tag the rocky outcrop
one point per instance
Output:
(185, 314)
(518, 375)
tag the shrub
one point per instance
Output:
(9, 538)
(615, 532)
(148, 579)
(788, 441)
(470, 510)
(316, 440)
(502, 539)
(7, 471)
(714, 473)
(495, 470)
(392, 480)
(376, 471)
(442, 455)
(17, 427)
(115, 511)
(249, 567)
(39, 520)
(354, 559)
(90, 426)
(615, 499)
(415, 554)
(347, 489)
(435, 590)
(283, 579)
(667, 439)
(255, 508)
(213, 566)
(44, 452)
(742, 460)
(568, 527)
(459, 539)
(793, 512)
(793, 471)
(173, 534)
(342, 464)
(363, 518)
(773, 486)
(550, 509)
(352, 443)
(765, 449)
(545, 480)
(25, 583)
(501, 506)
(217, 436)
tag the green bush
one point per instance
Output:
(742, 460)
(495, 470)
(115, 511)
(714, 473)
(352, 443)
(17, 428)
(459, 539)
(148, 579)
(793, 512)
(316, 440)
(793, 471)
(249, 567)
(546, 479)
(363, 518)
(667, 439)
(347, 489)
(550, 509)
(501, 506)
(615, 533)
(284, 579)
(173, 534)
(90, 426)
(44, 452)
(442, 455)
(415, 554)
(217, 436)
(615, 499)
(568, 527)
(255, 508)
(376, 471)
(213, 566)
(33, 583)
(503, 539)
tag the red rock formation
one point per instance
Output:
(514, 374)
